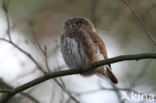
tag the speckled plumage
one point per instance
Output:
(81, 46)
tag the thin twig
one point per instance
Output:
(5, 4)
(102, 89)
(117, 92)
(5, 8)
(112, 89)
(67, 91)
(44, 52)
(62, 82)
(6, 88)
(140, 75)
(30, 97)
(24, 52)
(140, 21)
(93, 11)
(46, 59)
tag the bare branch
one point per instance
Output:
(112, 89)
(140, 75)
(24, 52)
(66, 91)
(117, 92)
(5, 8)
(30, 97)
(6, 88)
(93, 16)
(5, 4)
(104, 89)
(62, 86)
(140, 21)
(48, 76)
(46, 58)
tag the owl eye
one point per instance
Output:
(67, 24)
(78, 23)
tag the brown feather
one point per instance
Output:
(96, 39)
(82, 36)
(81, 46)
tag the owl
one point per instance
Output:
(81, 46)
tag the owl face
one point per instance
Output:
(78, 23)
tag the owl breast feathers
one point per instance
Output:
(81, 46)
(78, 49)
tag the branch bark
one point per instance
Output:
(48, 76)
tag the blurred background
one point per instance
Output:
(36, 26)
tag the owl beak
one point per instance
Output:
(70, 27)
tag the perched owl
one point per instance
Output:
(81, 46)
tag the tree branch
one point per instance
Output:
(66, 91)
(48, 76)
(5, 4)
(112, 89)
(24, 52)
(6, 88)
(140, 21)
(44, 52)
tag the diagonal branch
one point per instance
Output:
(48, 76)
(66, 91)
(24, 52)
(37, 64)
(5, 4)
(44, 52)
(112, 89)
(117, 92)
(140, 21)
(6, 88)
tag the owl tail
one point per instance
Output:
(111, 75)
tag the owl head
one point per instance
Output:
(78, 23)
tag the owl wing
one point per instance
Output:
(85, 43)
(97, 40)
